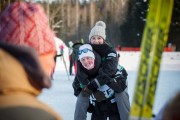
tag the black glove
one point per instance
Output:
(76, 87)
(77, 91)
(86, 92)
(101, 80)
(121, 70)
(121, 75)
(119, 82)
(99, 96)
(118, 86)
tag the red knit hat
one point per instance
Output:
(26, 23)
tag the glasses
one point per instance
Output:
(83, 51)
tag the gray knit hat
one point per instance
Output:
(99, 29)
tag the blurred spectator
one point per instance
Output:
(62, 49)
(171, 110)
(70, 57)
(27, 52)
(75, 54)
(118, 48)
(58, 51)
(57, 45)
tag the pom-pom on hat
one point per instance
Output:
(99, 29)
(25, 23)
(85, 51)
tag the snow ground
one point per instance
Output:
(60, 96)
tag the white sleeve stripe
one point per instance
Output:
(112, 55)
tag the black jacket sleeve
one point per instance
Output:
(109, 64)
(108, 68)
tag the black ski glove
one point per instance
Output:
(86, 92)
(99, 96)
(121, 70)
(101, 80)
(118, 86)
(76, 87)
(121, 76)
(119, 80)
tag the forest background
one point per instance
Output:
(72, 20)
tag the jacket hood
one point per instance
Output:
(21, 71)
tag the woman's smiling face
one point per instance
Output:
(96, 40)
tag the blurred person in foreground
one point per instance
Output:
(27, 50)
(171, 110)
